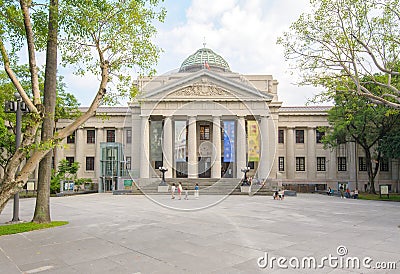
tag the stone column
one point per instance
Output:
(99, 137)
(352, 165)
(266, 160)
(290, 158)
(216, 156)
(332, 166)
(144, 149)
(192, 148)
(241, 161)
(135, 146)
(80, 151)
(311, 167)
(167, 146)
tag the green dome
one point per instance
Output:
(197, 61)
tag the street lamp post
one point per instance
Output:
(245, 181)
(16, 107)
(163, 170)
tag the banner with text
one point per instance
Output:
(229, 141)
(253, 144)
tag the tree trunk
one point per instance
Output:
(370, 171)
(42, 209)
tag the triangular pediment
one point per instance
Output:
(203, 85)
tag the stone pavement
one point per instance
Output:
(134, 234)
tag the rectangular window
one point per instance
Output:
(281, 163)
(71, 138)
(111, 136)
(299, 136)
(281, 136)
(89, 163)
(384, 165)
(204, 132)
(70, 160)
(319, 135)
(90, 136)
(128, 136)
(321, 164)
(341, 164)
(362, 164)
(300, 163)
(128, 163)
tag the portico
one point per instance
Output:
(199, 122)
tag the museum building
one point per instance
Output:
(207, 123)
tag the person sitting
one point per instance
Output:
(275, 195)
(329, 191)
(281, 194)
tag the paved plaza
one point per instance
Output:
(137, 234)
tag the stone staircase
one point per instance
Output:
(224, 186)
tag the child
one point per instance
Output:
(180, 190)
(173, 191)
(186, 194)
(196, 191)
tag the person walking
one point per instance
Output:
(196, 191)
(186, 194)
(173, 188)
(180, 190)
(341, 192)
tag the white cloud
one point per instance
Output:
(244, 33)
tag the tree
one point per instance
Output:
(353, 41)
(358, 120)
(103, 37)
(65, 172)
(42, 208)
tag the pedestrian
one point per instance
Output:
(186, 194)
(281, 194)
(341, 192)
(355, 193)
(196, 191)
(180, 190)
(329, 192)
(348, 195)
(173, 188)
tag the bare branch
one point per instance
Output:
(31, 52)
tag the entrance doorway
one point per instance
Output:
(204, 166)
(226, 170)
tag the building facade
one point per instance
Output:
(205, 122)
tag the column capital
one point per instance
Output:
(311, 127)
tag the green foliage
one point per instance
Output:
(390, 145)
(340, 46)
(356, 119)
(121, 30)
(25, 227)
(65, 172)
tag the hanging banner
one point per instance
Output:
(229, 141)
(180, 141)
(253, 144)
(155, 140)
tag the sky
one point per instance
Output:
(243, 32)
